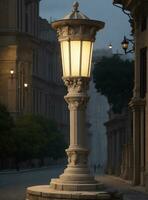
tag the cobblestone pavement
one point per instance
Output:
(129, 192)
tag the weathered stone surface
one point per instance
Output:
(46, 193)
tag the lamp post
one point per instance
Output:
(76, 34)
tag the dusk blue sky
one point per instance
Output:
(116, 22)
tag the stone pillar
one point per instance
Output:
(123, 161)
(112, 153)
(130, 161)
(118, 149)
(109, 155)
(126, 171)
(142, 145)
(76, 176)
(137, 105)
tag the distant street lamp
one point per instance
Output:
(25, 85)
(76, 34)
(110, 46)
(11, 73)
(125, 45)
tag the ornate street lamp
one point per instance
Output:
(125, 45)
(76, 34)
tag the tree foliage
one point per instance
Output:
(29, 137)
(6, 140)
(37, 137)
(114, 78)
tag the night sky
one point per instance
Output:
(116, 22)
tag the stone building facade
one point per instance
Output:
(30, 63)
(139, 22)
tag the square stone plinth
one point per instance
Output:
(46, 193)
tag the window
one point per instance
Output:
(143, 61)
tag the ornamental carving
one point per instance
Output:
(77, 157)
(77, 84)
(76, 103)
(75, 32)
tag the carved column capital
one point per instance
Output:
(76, 84)
(77, 97)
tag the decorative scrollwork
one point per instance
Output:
(75, 31)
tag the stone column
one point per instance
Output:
(109, 162)
(142, 145)
(137, 104)
(76, 176)
(130, 161)
(118, 162)
(111, 153)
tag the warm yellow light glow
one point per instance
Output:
(125, 45)
(65, 58)
(86, 58)
(12, 71)
(110, 46)
(25, 85)
(76, 58)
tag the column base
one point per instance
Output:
(59, 185)
(76, 176)
(46, 193)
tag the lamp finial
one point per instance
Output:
(75, 6)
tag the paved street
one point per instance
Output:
(13, 186)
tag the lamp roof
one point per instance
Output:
(75, 14)
(77, 26)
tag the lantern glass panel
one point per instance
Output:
(125, 45)
(75, 50)
(65, 58)
(87, 47)
(76, 58)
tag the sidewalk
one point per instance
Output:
(14, 171)
(117, 184)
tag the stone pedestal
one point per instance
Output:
(46, 193)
